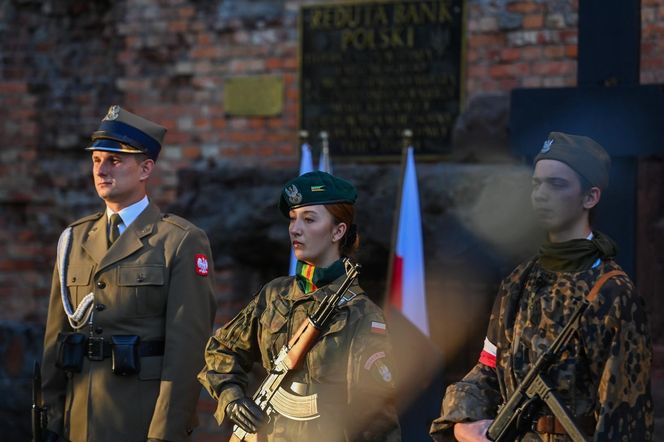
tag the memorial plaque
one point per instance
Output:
(371, 70)
(260, 95)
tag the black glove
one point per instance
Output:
(246, 414)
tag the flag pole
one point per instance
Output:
(407, 141)
(304, 138)
(324, 156)
(304, 167)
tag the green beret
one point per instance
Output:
(582, 154)
(315, 188)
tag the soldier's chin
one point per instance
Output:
(546, 222)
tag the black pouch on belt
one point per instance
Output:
(125, 357)
(70, 352)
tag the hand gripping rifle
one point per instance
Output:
(271, 396)
(38, 411)
(515, 414)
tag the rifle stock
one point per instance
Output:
(38, 413)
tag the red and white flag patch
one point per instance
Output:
(488, 354)
(201, 265)
(378, 327)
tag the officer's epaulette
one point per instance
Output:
(176, 220)
(93, 217)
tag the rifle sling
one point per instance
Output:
(601, 281)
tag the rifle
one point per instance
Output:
(271, 396)
(518, 410)
(39, 418)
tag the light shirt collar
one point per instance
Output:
(599, 261)
(130, 213)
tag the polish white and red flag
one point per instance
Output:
(407, 290)
(488, 354)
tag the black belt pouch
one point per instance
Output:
(125, 357)
(71, 350)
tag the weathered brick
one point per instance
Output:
(533, 21)
(531, 52)
(510, 54)
(13, 87)
(205, 52)
(549, 68)
(178, 26)
(486, 40)
(571, 51)
(524, 7)
(553, 52)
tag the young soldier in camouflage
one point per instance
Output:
(603, 376)
(348, 366)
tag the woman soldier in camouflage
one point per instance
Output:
(603, 375)
(348, 366)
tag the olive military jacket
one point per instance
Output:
(348, 367)
(152, 282)
(604, 372)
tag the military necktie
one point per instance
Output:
(114, 230)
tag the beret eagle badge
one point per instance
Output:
(293, 194)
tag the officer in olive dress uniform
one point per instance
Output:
(131, 304)
(603, 375)
(348, 370)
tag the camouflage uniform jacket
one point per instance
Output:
(604, 372)
(347, 366)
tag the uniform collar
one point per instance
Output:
(129, 213)
(295, 293)
(310, 278)
(128, 243)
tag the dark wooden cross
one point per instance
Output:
(608, 105)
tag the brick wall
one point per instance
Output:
(521, 44)
(652, 43)
(63, 63)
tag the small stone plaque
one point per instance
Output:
(254, 96)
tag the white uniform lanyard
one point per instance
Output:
(83, 313)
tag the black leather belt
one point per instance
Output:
(99, 349)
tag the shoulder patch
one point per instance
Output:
(176, 221)
(93, 217)
(376, 365)
(378, 327)
(201, 265)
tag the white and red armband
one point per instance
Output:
(488, 354)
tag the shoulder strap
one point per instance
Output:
(350, 294)
(601, 281)
(93, 217)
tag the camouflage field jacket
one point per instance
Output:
(604, 372)
(348, 367)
